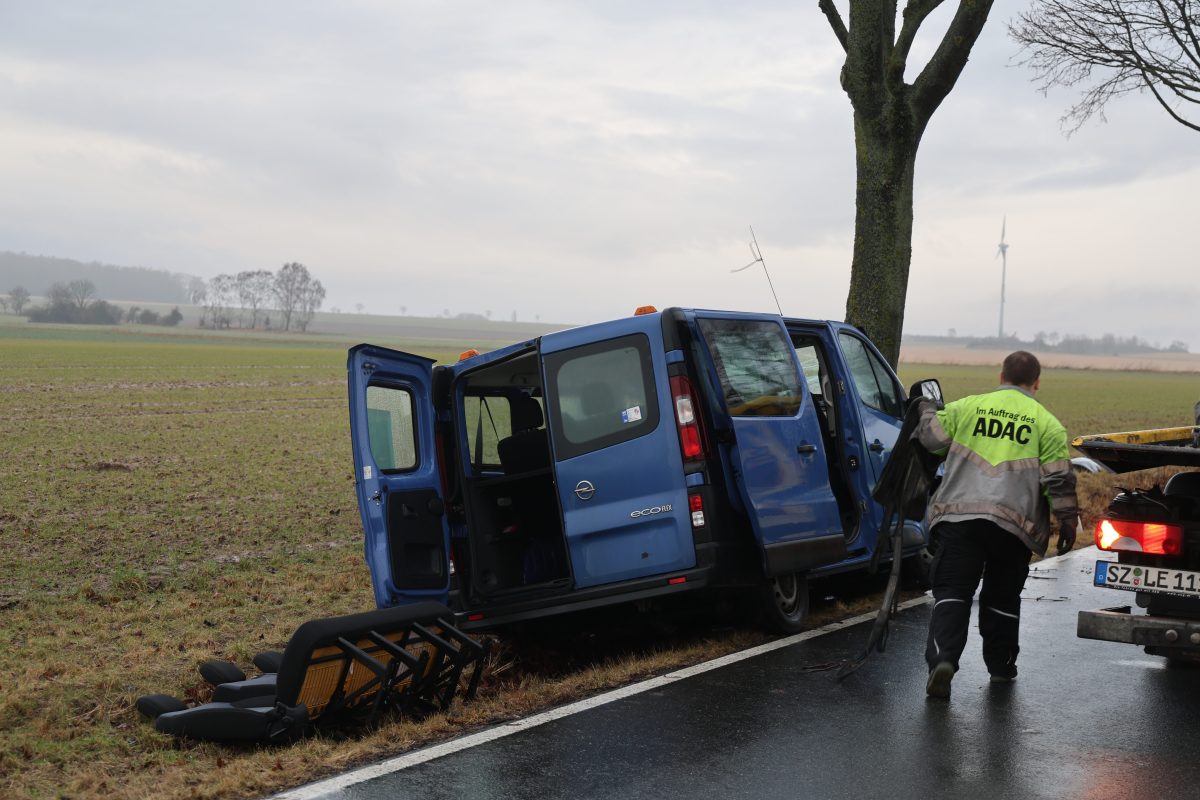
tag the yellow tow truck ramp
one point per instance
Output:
(1133, 450)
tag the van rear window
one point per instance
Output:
(390, 428)
(603, 395)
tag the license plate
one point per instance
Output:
(1157, 580)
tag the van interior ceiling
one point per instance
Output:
(512, 512)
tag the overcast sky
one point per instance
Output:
(572, 160)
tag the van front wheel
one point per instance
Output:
(785, 602)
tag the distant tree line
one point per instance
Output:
(75, 302)
(1108, 344)
(248, 299)
(143, 284)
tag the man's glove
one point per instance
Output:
(1066, 533)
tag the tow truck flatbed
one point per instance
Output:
(1134, 450)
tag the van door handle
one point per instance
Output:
(806, 449)
(876, 446)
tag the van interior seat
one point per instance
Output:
(527, 449)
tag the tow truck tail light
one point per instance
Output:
(691, 442)
(1139, 537)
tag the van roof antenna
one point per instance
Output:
(758, 259)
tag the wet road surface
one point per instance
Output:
(1084, 719)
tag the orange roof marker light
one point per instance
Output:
(645, 310)
(465, 354)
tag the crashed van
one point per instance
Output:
(660, 454)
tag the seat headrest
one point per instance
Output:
(526, 413)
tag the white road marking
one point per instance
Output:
(329, 786)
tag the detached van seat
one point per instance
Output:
(409, 658)
(527, 449)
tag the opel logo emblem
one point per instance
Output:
(584, 490)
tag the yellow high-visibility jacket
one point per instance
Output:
(1006, 461)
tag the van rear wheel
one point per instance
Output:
(785, 602)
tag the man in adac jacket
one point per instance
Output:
(1008, 471)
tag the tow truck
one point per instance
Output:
(1155, 535)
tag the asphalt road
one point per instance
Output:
(1084, 719)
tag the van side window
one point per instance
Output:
(488, 419)
(390, 428)
(871, 377)
(603, 394)
(754, 361)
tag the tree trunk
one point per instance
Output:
(886, 153)
(889, 118)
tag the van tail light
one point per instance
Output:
(691, 442)
(696, 506)
(1139, 537)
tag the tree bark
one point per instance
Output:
(886, 154)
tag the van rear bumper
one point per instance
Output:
(582, 599)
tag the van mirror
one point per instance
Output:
(930, 389)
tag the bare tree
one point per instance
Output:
(890, 116)
(310, 301)
(18, 297)
(219, 299)
(197, 291)
(82, 290)
(254, 288)
(59, 294)
(1112, 48)
(291, 283)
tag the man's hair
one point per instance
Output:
(1021, 369)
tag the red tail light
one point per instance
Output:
(1139, 537)
(696, 506)
(691, 441)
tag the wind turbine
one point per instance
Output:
(1002, 254)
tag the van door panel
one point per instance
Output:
(777, 451)
(618, 466)
(396, 475)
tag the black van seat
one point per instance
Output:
(406, 658)
(527, 449)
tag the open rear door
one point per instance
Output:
(396, 475)
(776, 450)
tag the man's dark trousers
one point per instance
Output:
(967, 551)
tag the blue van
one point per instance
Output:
(662, 453)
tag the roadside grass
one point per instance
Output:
(165, 500)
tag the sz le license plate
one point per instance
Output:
(1132, 578)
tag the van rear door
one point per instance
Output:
(776, 450)
(396, 474)
(618, 465)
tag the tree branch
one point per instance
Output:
(835, 21)
(914, 14)
(947, 63)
